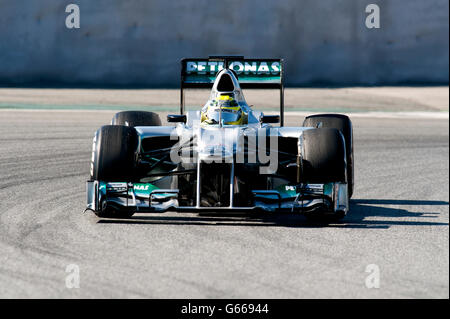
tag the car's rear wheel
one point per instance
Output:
(136, 118)
(113, 160)
(343, 124)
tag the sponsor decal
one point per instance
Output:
(116, 187)
(313, 188)
(248, 71)
(142, 187)
(246, 67)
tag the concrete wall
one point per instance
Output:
(140, 42)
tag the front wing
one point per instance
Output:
(148, 198)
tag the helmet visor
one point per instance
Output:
(228, 115)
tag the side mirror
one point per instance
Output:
(176, 118)
(270, 119)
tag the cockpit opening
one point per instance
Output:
(225, 84)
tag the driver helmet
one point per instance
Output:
(224, 108)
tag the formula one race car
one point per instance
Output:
(225, 157)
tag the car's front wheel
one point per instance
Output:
(113, 160)
(323, 160)
(344, 125)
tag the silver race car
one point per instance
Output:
(225, 156)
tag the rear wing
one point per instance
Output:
(199, 73)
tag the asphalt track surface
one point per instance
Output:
(398, 221)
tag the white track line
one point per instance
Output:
(391, 115)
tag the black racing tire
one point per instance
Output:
(343, 124)
(113, 154)
(323, 161)
(323, 156)
(113, 160)
(136, 118)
